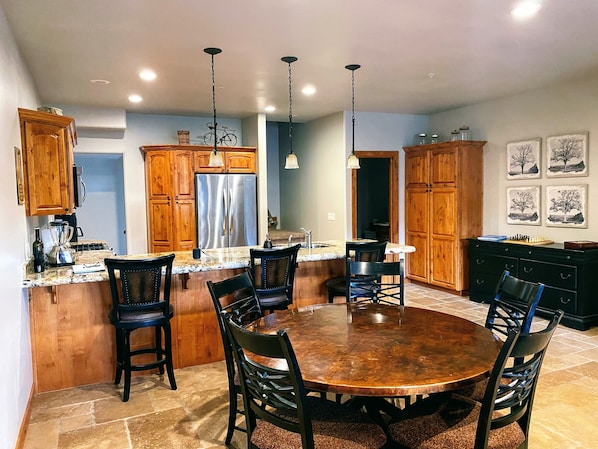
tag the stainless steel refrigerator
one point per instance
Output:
(226, 210)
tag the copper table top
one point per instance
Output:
(382, 350)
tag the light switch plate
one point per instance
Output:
(331, 216)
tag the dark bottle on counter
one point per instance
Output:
(38, 253)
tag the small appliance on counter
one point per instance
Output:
(72, 221)
(61, 253)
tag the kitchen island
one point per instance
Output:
(73, 341)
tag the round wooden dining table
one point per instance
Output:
(367, 349)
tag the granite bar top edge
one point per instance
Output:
(211, 260)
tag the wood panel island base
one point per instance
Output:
(73, 342)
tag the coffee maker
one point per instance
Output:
(72, 221)
(61, 253)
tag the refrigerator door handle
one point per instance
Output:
(231, 228)
(225, 208)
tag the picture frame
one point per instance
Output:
(566, 206)
(523, 205)
(19, 176)
(567, 155)
(523, 159)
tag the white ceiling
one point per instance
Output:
(474, 48)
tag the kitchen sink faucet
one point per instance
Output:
(307, 237)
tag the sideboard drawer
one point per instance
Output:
(561, 276)
(556, 298)
(490, 263)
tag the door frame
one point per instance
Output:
(393, 191)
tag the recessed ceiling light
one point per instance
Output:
(147, 75)
(526, 9)
(98, 81)
(270, 108)
(308, 90)
(135, 98)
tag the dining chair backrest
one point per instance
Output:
(273, 274)
(513, 306)
(366, 251)
(276, 395)
(512, 385)
(236, 298)
(376, 282)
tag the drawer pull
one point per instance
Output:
(479, 261)
(480, 281)
(565, 301)
(508, 267)
(564, 278)
(527, 269)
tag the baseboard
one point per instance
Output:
(25, 423)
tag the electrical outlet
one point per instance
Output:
(331, 216)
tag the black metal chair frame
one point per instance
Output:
(237, 298)
(137, 302)
(275, 280)
(356, 251)
(376, 282)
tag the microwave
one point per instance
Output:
(79, 188)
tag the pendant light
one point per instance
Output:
(291, 160)
(215, 156)
(353, 160)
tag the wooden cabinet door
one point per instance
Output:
(201, 162)
(240, 162)
(184, 179)
(417, 169)
(416, 232)
(160, 225)
(443, 167)
(443, 261)
(184, 225)
(158, 175)
(47, 169)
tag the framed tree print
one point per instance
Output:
(567, 155)
(523, 159)
(566, 206)
(523, 205)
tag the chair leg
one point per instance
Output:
(168, 354)
(232, 414)
(159, 352)
(127, 363)
(119, 355)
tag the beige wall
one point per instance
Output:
(569, 107)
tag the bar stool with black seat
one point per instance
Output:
(139, 301)
(236, 296)
(275, 278)
(378, 282)
(356, 251)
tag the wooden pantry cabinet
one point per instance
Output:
(443, 207)
(170, 189)
(47, 150)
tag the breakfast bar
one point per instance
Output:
(73, 341)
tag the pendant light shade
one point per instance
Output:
(353, 160)
(215, 156)
(291, 162)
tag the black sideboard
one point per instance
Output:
(570, 277)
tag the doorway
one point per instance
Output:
(102, 215)
(375, 196)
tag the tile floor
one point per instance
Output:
(194, 416)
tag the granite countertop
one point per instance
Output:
(211, 259)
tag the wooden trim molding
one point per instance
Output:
(25, 422)
(393, 187)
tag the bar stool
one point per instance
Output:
(135, 285)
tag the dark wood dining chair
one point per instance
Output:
(273, 274)
(500, 421)
(138, 301)
(356, 251)
(378, 282)
(512, 308)
(279, 412)
(237, 297)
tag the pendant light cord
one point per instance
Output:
(353, 111)
(214, 106)
(290, 111)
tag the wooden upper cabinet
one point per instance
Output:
(444, 167)
(47, 150)
(184, 175)
(158, 174)
(240, 161)
(416, 169)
